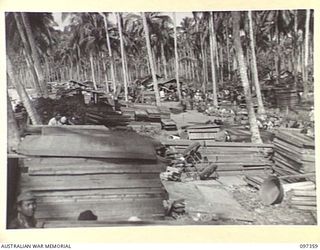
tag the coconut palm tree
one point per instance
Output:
(255, 134)
(306, 55)
(28, 53)
(35, 118)
(35, 53)
(124, 67)
(212, 53)
(33, 33)
(151, 62)
(176, 56)
(261, 109)
(113, 79)
(13, 131)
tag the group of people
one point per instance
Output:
(58, 120)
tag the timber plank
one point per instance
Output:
(85, 168)
(105, 209)
(81, 182)
(116, 145)
(117, 192)
(302, 207)
(217, 144)
(297, 192)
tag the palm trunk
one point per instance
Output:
(28, 53)
(33, 74)
(127, 68)
(277, 58)
(92, 71)
(35, 54)
(105, 74)
(78, 72)
(306, 55)
(255, 134)
(13, 136)
(221, 64)
(205, 62)
(113, 79)
(228, 55)
(35, 118)
(261, 109)
(176, 56)
(164, 61)
(154, 78)
(71, 69)
(98, 70)
(48, 73)
(122, 58)
(294, 54)
(213, 70)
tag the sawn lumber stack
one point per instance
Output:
(116, 175)
(294, 153)
(232, 158)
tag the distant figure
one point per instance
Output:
(311, 114)
(19, 107)
(55, 121)
(87, 215)
(191, 100)
(228, 137)
(162, 94)
(26, 207)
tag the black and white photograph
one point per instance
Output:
(126, 119)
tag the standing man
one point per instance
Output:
(26, 207)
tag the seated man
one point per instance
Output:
(55, 121)
(26, 207)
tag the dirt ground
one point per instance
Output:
(203, 195)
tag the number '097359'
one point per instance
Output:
(309, 246)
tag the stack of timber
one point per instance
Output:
(254, 181)
(294, 153)
(148, 97)
(129, 113)
(168, 124)
(286, 98)
(303, 199)
(232, 158)
(145, 126)
(301, 195)
(107, 118)
(203, 132)
(113, 174)
(146, 113)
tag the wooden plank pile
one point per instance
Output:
(203, 132)
(168, 124)
(254, 181)
(93, 170)
(294, 153)
(145, 126)
(146, 113)
(109, 118)
(129, 112)
(304, 200)
(232, 158)
(286, 98)
(302, 195)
